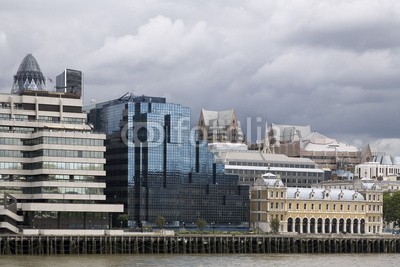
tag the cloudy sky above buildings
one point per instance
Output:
(332, 64)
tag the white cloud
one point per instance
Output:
(389, 146)
(160, 41)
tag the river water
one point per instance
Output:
(286, 260)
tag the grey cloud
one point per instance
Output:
(331, 64)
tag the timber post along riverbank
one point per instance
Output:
(197, 244)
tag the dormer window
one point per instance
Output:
(326, 194)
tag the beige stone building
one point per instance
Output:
(314, 210)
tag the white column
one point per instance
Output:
(351, 226)
(323, 227)
(308, 226)
(359, 227)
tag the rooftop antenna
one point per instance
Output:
(266, 148)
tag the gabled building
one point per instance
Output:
(219, 127)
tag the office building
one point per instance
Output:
(70, 82)
(51, 162)
(29, 76)
(249, 165)
(156, 167)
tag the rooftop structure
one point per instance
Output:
(361, 184)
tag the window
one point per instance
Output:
(290, 206)
(362, 207)
(355, 208)
(334, 206)
(327, 206)
(319, 206)
(297, 206)
(341, 206)
(312, 206)
(305, 206)
(281, 194)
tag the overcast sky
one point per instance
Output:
(331, 64)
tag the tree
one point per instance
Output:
(160, 221)
(274, 224)
(391, 207)
(123, 220)
(201, 224)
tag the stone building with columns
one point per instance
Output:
(315, 210)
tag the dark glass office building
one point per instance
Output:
(155, 167)
(70, 82)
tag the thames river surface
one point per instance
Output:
(286, 260)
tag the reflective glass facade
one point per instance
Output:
(155, 167)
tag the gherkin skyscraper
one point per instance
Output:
(29, 76)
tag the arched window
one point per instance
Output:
(297, 225)
(334, 225)
(327, 225)
(290, 225)
(305, 225)
(319, 225)
(355, 226)
(312, 225)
